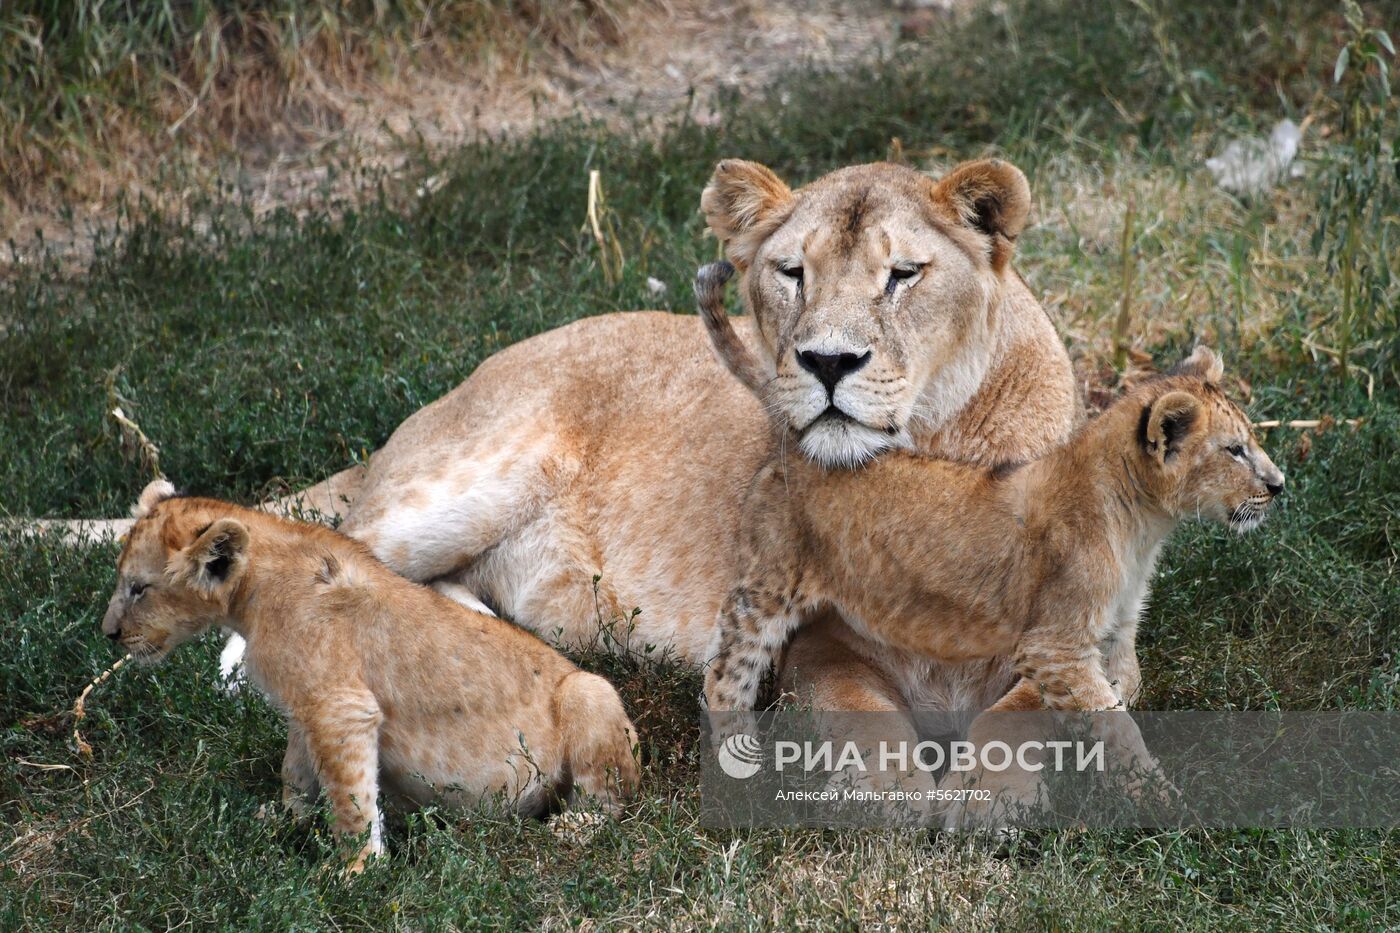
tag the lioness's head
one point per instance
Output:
(176, 573)
(1202, 456)
(875, 290)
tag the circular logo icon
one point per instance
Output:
(740, 756)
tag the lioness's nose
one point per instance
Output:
(1274, 484)
(831, 368)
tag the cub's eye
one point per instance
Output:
(900, 274)
(1235, 450)
(137, 589)
(793, 272)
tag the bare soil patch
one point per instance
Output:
(664, 61)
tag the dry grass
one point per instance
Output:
(1203, 266)
(88, 80)
(296, 115)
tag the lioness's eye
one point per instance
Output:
(137, 589)
(793, 272)
(1235, 450)
(899, 274)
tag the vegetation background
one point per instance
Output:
(263, 348)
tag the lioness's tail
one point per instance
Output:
(327, 502)
(709, 295)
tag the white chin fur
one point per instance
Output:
(1246, 525)
(843, 444)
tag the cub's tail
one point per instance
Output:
(709, 295)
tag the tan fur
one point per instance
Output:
(1048, 563)
(382, 681)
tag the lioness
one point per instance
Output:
(616, 448)
(380, 679)
(1048, 562)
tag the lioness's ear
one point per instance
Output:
(1167, 422)
(155, 492)
(1203, 363)
(990, 196)
(744, 203)
(217, 555)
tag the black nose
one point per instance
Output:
(1274, 488)
(831, 368)
(115, 634)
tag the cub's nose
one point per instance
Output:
(831, 368)
(1274, 484)
(112, 620)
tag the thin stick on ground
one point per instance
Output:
(609, 249)
(132, 437)
(1306, 423)
(1125, 303)
(80, 705)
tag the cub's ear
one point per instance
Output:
(743, 203)
(1167, 423)
(1203, 363)
(217, 556)
(990, 196)
(155, 492)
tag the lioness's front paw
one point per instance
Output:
(1152, 787)
(988, 801)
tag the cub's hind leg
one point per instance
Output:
(765, 607)
(597, 742)
(299, 782)
(753, 627)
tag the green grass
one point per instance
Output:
(265, 353)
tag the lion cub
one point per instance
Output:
(1047, 562)
(381, 680)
